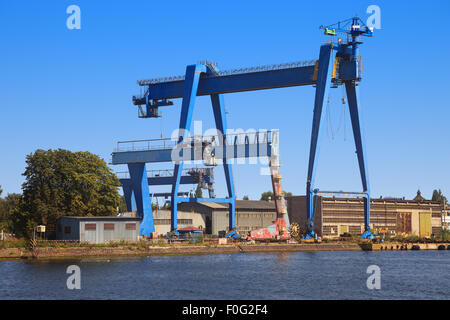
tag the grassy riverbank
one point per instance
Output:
(22, 249)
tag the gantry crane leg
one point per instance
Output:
(128, 194)
(138, 176)
(322, 86)
(187, 107)
(191, 81)
(352, 97)
(218, 106)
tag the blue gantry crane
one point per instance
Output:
(347, 71)
(209, 149)
(204, 79)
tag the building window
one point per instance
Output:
(90, 226)
(67, 230)
(167, 221)
(130, 226)
(161, 221)
(59, 228)
(108, 226)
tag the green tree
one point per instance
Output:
(2, 206)
(64, 183)
(7, 207)
(245, 198)
(122, 204)
(266, 196)
(198, 192)
(439, 197)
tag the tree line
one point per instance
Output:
(60, 183)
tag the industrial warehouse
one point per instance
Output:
(250, 215)
(97, 229)
(335, 217)
(211, 218)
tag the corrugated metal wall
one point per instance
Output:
(105, 231)
(99, 230)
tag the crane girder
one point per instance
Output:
(240, 82)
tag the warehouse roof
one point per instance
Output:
(242, 204)
(100, 218)
(254, 204)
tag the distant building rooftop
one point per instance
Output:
(242, 204)
(100, 218)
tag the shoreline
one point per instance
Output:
(134, 251)
(128, 251)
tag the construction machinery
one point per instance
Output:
(347, 71)
(204, 79)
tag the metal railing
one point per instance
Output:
(153, 173)
(143, 145)
(242, 138)
(290, 65)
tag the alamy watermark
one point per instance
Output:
(74, 280)
(212, 147)
(374, 280)
(374, 20)
(74, 20)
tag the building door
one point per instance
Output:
(208, 225)
(424, 224)
(404, 223)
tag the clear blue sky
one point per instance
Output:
(72, 89)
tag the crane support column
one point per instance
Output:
(322, 85)
(191, 82)
(187, 107)
(128, 195)
(221, 124)
(352, 96)
(138, 176)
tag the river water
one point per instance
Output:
(297, 275)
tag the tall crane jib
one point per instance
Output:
(339, 64)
